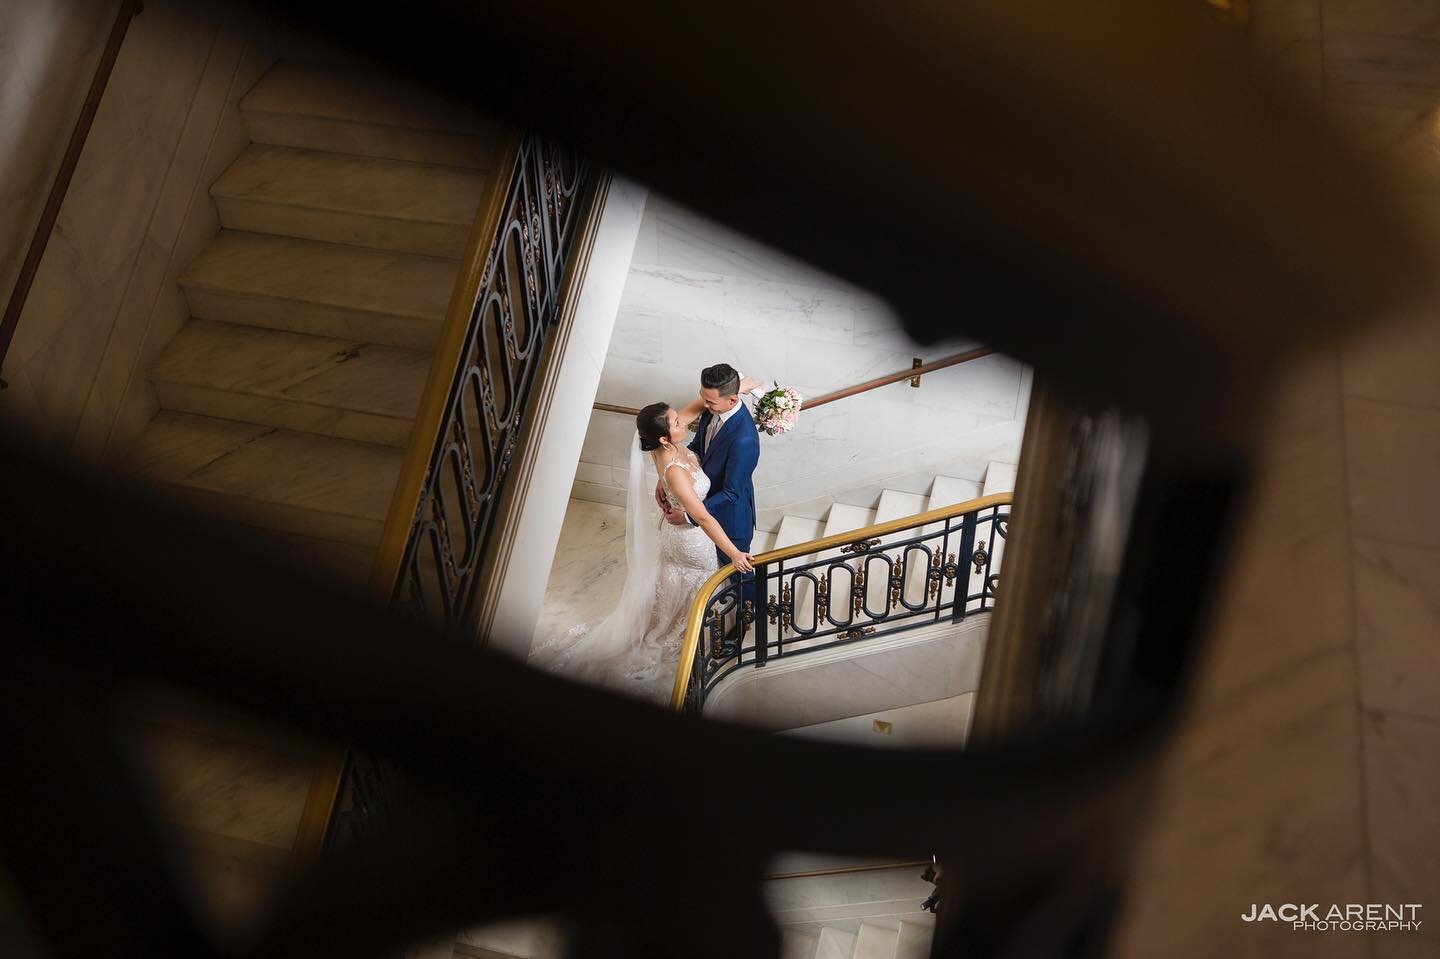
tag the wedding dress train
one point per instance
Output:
(636, 648)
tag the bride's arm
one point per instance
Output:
(748, 384)
(692, 412)
(684, 489)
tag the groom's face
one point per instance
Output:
(716, 403)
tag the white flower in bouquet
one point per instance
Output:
(777, 410)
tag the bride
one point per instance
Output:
(637, 646)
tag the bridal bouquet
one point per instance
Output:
(777, 410)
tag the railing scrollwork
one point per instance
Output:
(902, 575)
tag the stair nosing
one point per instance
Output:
(403, 418)
(287, 205)
(186, 281)
(490, 138)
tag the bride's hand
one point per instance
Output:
(744, 562)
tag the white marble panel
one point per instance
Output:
(588, 571)
(989, 385)
(690, 241)
(942, 724)
(636, 337)
(832, 366)
(887, 673)
(788, 311)
(691, 346)
(674, 293)
(607, 441)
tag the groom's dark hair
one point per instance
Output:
(722, 377)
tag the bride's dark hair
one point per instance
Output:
(652, 423)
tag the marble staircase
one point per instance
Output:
(892, 504)
(288, 399)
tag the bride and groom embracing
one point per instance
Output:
(705, 491)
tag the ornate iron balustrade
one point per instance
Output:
(488, 373)
(474, 413)
(939, 566)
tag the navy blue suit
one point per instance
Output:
(730, 464)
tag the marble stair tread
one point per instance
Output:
(875, 942)
(999, 478)
(793, 530)
(340, 198)
(317, 486)
(295, 381)
(761, 542)
(893, 506)
(368, 112)
(798, 945)
(844, 517)
(947, 491)
(305, 286)
(834, 944)
(913, 941)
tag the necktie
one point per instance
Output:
(712, 430)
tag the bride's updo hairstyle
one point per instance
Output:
(652, 423)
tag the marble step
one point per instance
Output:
(793, 530)
(317, 486)
(763, 540)
(842, 518)
(999, 478)
(328, 289)
(947, 491)
(366, 113)
(913, 941)
(834, 944)
(875, 942)
(294, 381)
(362, 201)
(895, 504)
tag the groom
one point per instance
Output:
(728, 447)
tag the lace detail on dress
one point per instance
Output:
(687, 559)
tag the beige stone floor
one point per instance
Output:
(1309, 767)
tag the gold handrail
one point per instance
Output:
(879, 381)
(697, 608)
(390, 553)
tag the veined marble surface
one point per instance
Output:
(589, 569)
(699, 293)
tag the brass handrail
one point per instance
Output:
(129, 9)
(855, 390)
(697, 609)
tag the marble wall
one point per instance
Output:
(106, 299)
(543, 513)
(1308, 768)
(699, 293)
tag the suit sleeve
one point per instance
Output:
(743, 459)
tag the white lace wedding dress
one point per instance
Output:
(636, 648)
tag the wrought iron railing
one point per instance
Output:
(474, 413)
(908, 573)
(479, 390)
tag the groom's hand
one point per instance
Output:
(660, 497)
(676, 517)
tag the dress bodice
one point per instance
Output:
(697, 476)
